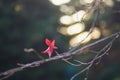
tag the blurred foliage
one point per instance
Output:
(26, 23)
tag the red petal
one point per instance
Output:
(47, 41)
(51, 47)
(49, 53)
(53, 43)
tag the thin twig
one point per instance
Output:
(68, 61)
(10, 72)
(92, 26)
(104, 50)
(33, 50)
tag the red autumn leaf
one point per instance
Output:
(51, 46)
(47, 41)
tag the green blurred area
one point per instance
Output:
(26, 24)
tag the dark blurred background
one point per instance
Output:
(26, 24)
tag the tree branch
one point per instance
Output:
(10, 72)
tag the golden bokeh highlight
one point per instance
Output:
(78, 15)
(63, 30)
(67, 9)
(17, 7)
(59, 2)
(80, 37)
(88, 16)
(84, 2)
(71, 20)
(66, 20)
(88, 1)
(95, 33)
(75, 28)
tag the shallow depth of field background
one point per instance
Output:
(26, 24)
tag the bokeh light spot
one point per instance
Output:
(59, 2)
(17, 8)
(95, 33)
(84, 2)
(80, 37)
(66, 20)
(88, 1)
(78, 16)
(63, 30)
(76, 28)
(67, 9)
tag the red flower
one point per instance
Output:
(51, 46)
